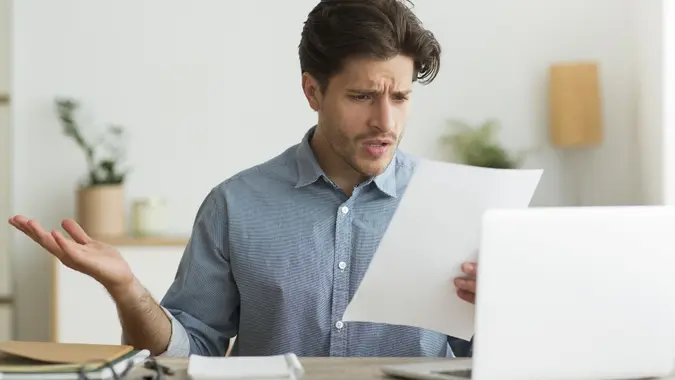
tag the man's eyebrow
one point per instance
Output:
(376, 92)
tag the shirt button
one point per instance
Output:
(342, 265)
(344, 209)
(339, 324)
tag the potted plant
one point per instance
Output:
(478, 146)
(100, 200)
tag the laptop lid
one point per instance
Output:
(576, 293)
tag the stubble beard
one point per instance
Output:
(350, 152)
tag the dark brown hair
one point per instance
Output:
(336, 30)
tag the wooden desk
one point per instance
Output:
(315, 368)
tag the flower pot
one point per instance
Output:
(101, 210)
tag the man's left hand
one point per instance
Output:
(466, 286)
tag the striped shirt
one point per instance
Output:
(275, 255)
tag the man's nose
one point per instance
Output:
(383, 116)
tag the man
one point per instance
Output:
(278, 250)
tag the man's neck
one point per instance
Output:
(335, 168)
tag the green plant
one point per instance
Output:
(103, 154)
(478, 146)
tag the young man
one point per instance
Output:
(278, 250)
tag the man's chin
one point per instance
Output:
(373, 169)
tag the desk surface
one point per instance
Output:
(315, 368)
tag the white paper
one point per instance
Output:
(244, 367)
(435, 229)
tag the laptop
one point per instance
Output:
(569, 293)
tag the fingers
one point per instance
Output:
(76, 231)
(21, 223)
(44, 238)
(467, 296)
(70, 249)
(470, 269)
(466, 284)
(48, 240)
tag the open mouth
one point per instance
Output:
(376, 149)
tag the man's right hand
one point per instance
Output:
(100, 261)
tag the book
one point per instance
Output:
(46, 360)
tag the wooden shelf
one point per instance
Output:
(145, 241)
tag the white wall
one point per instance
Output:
(655, 32)
(668, 111)
(206, 92)
(5, 9)
(6, 307)
(649, 46)
(496, 60)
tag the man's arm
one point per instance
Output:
(202, 304)
(200, 311)
(144, 323)
(201, 308)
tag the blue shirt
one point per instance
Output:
(276, 253)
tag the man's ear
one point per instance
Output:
(312, 91)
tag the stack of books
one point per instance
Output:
(44, 360)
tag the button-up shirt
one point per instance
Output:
(276, 253)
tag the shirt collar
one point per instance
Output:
(309, 170)
(308, 167)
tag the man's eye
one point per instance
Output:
(361, 97)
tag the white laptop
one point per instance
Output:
(570, 293)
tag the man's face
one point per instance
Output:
(363, 112)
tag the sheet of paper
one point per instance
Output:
(435, 229)
(285, 367)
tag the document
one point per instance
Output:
(435, 229)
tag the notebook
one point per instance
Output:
(275, 367)
(23, 360)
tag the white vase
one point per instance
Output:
(149, 217)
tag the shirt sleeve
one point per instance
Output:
(460, 347)
(203, 300)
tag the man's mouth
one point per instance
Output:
(377, 148)
(379, 142)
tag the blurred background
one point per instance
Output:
(196, 91)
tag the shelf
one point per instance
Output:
(145, 241)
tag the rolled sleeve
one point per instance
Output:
(203, 300)
(179, 345)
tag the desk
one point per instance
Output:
(315, 368)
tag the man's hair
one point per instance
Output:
(337, 30)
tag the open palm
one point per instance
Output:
(83, 254)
